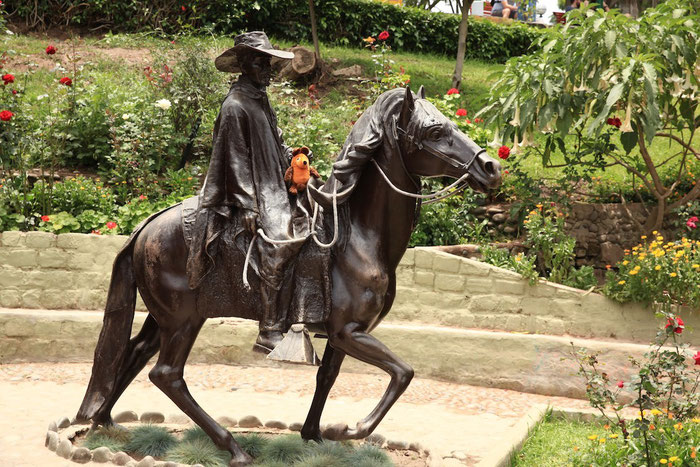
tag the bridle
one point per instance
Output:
(458, 186)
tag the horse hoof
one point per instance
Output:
(337, 432)
(316, 436)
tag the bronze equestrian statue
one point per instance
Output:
(370, 204)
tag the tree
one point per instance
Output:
(604, 69)
(464, 6)
(314, 30)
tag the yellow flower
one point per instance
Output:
(656, 412)
(674, 458)
(538, 206)
(663, 461)
(601, 440)
(673, 274)
(654, 232)
(625, 263)
(642, 256)
(678, 426)
(575, 448)
(659, 238)
(369, 39)
(696, 266)
(634, 272)
(621, 283)
(614, 436)
(695, 420)
(644, 237)
(593, 437)
(657, 267)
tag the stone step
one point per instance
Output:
(536, 363)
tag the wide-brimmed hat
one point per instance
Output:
(254, 40)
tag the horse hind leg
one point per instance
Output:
(167, 375)
(327, 373)
(141, 348)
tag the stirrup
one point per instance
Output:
(296, 347)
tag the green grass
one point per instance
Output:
(198, 450)
(150, 440)
(552, 443)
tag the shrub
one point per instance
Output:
(339, 22)
(664, 392)
(112, 437)
(253, 444)
(149, 440)
(658, 271)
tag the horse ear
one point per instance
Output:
(406, 108)
(421, 92)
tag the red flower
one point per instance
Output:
(384, 35)
(453, 91)
(506, 172)
(183, 8)
(614, 121)
(50, 50)
(66, 80)
(6, 115)
(96, 232)
(692, 222)
(461, 112)
(14, 91)
(469, 122)
(504, 152)
(620, 384)
(677, 326)
(142, 197)
(8, 78)
(45, 218)
(697, 358)
(478, 120)
(111, 225)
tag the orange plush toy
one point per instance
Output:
(300, 171)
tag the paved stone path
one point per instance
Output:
(444, 416)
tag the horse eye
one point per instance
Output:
(434, 133)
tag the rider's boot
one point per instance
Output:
(272, 322)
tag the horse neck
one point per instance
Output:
(382, 218)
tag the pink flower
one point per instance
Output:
(8, 78)
(66, 80)
(384, 35)
(50, 50)
(504, 152)
(461, 112)
(142, 197)
(697, 358)
(620, 384)
(453, 91)
(111, 225)
(45, 218)
(692, 222)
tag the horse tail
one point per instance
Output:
(113, 342)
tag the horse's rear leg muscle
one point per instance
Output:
(330, 366)
(141, 348)
(356, 343)
(167, 375)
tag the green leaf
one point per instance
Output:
(610, 37)
(628, 140)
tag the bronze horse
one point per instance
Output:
(404, 137)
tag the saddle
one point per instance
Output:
(307, 283)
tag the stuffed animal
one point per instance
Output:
(300, 170)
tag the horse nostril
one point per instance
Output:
(492, 168)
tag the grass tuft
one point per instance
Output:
(368, 455)
(252, 444)
(287, 449)
(318, 459)
(111, 437)
(150, 440)
(198, 451)
(195, 434)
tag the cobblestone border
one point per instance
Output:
(61, 433)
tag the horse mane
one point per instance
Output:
(376, 128)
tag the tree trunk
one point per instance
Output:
(314, 31)
(303, 64)
(461, 44)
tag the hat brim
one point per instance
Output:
(228, 61)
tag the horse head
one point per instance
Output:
(433, 146)
(411, 131)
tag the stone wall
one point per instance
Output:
(602, 231)
(72, 271)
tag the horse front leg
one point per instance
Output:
(354, 341)
(327, 373)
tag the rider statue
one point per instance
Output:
(245, 188)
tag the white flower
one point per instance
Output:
(43, 96)
(163, 104)
(125, 117)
